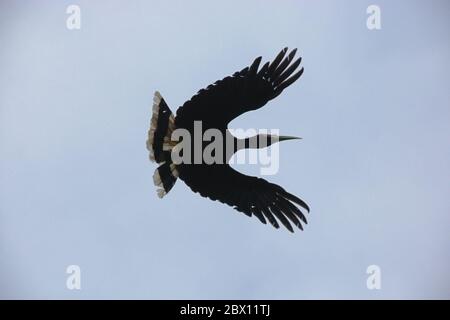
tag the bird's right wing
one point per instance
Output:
(247, 194)
(248, 89)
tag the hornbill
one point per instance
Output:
(217, 105)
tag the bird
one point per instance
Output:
(215, 107)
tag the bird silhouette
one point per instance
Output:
(215, 107)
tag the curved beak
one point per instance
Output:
(283, 138)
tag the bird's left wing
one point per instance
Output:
(249, 89)
(247, 194)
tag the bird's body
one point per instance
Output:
(214, 107)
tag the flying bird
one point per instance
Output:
(216, 106)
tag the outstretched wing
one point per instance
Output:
(250, 195)
(248, 89)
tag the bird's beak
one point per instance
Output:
(283, 138)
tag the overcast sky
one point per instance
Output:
(374, 164)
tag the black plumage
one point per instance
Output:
(216, 106)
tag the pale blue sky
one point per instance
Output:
(374, 165)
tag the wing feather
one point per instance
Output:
(246, 90)
(247, 194)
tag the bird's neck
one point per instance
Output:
(255, 142)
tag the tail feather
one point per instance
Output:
(160, 145)
(162, 125)
(164, 178)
